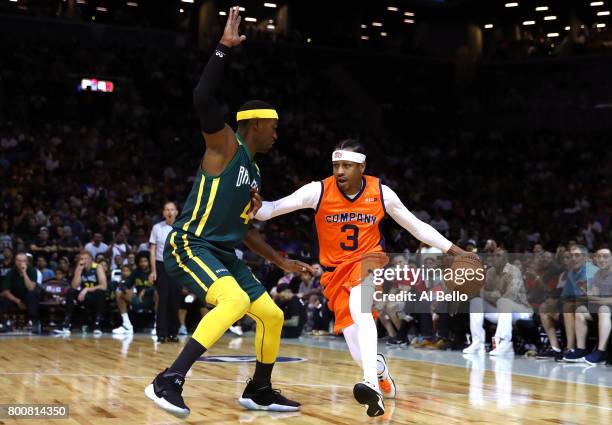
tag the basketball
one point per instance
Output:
(466, 274)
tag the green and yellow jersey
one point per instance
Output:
(216, 208)
(89, 278)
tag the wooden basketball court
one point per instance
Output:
(102, 380)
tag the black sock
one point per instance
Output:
(263, 374)
(402, 332)
(191, 352)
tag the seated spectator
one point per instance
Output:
(551, 309)
(64, 265)
(119, 247)
(7, 262)
(321, 316)
(42, 245)
(503, 300)
(88, 288)
(21, 292)
(67, 244)
(41, 266)
(57, 287)
(599, 302)
(6, 240)
(388, 310)
(136, 291)
(96, 246)
(577, 284)
(309, 285)
(293, 309)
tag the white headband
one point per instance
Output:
(348, 156)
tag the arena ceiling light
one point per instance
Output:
(488, 26)
(270, 27)
(541, 8)
(597, 3)
(249, 19)
(600, 25)
(552, 34)
(408, 13)
(222, 13)
(187, 1)
(392, 8)
(567, 28)
(513, 4)
(376, 24)
(528, 23)
(550, 18)
(363, 26)
(409, 21)
(101, 9)
(132, 4)
(603, 13)
(383, 34)
(271, 5)
(365, 37)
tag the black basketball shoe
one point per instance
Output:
(165, 391)
(365, 393)
(266, 398)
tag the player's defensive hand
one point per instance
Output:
(255, 203)
(295, 266)
(230, 36)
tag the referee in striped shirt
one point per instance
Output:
(169, 292)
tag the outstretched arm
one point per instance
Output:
(417, 228)
(256, 243)
(305, 197)
(213, 126)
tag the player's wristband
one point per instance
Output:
(222, 50)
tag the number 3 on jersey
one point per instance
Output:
(352, 237)
(245, 214)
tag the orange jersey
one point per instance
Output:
(347, 229)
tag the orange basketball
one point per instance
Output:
(468, 274)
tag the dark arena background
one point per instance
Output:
(491, 120)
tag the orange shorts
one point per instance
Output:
(338, 283)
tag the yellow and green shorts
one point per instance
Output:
(197, 264)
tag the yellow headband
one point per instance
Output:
(256, 113)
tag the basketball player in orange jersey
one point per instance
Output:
(349, 207)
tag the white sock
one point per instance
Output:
(126, 320)
(366, 330)
(352, 340)
(558, 350)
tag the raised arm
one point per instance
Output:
(417, 228)
(218, 136)
(306, 196)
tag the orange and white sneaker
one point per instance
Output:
(385, 380)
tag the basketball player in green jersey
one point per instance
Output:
(199, 251)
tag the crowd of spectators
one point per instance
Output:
(85, 171)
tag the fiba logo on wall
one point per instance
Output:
(247, 359)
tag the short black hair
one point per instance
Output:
(352, 145)
(255, 104)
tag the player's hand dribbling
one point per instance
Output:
(230, 36)
(295, 266)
